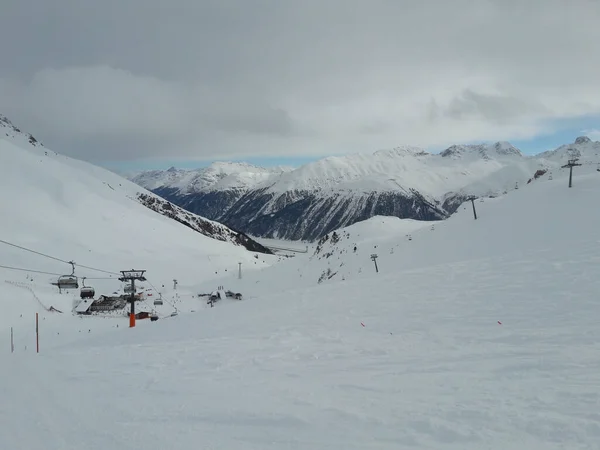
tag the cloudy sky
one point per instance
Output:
(142, 82)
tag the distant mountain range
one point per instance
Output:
(310, 201)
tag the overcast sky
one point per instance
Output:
(122, 80)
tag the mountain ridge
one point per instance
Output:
(24, 157)
(407, 182)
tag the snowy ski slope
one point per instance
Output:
(69, 210)
(474, 335)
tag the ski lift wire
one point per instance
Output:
(56, 259)
(28, 270)
(156, 290)
(97, 270)
(33, 251)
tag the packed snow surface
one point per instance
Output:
(474, 334)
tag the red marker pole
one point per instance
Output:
(37, 333)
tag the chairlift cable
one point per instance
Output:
(97, 270)
(156, 290)
(71, 263)
(33, 251)
(28, 270)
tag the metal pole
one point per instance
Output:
(240, 271)
(37, 333)
(374, 258)
(12, 342)
(571, 177)
(474, 212)
(132, 300)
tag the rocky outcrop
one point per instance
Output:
(206, 227)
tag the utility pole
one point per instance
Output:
(174, 284)
(132, 275)
(572, 163)
(472, 198)
(240, 271)
(374, 258)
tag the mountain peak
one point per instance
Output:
(404, 150)
(230, 167)
(506, 148)
(583, 140)
(501, 148)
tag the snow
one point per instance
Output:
(473, 334)
(218, 176)
(583, 147)
(73, 211)
(478, 169)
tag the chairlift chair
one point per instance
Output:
(158, 301)
(67, 282)
(87, 292)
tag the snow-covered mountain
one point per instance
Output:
(472, 334)
(70, 210)
(218, 176)
(217, 187)
(316, 198)
(10, 132)
(586, 150)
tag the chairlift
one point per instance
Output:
(159, 300)
(86, 291)
(598, 169)
(68, 281)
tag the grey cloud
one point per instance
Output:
(268, 121)
(493, 108)
(217, 78)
